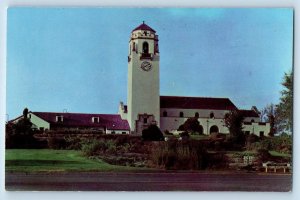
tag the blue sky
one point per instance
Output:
(76, 59)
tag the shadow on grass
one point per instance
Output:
(40, 162)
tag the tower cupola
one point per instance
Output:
(143, 41)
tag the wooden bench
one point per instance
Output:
(276, 166)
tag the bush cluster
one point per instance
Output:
(20, 135)
(152, 133)
(97, 147)
(282, 144)
(179, 155)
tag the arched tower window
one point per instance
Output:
(197, 114)
(165, 114)
(133, 46)
(145, 48)
(181, 114)
(214, 129)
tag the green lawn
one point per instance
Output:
(275, 153)
(46, 160)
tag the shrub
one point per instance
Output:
(20, 134)
(99, 147)
(152, 133)
(191, 125)
(56, 142)
(280, 144)
(110, 147)
(263, 155)
(252, 138)
(74, 143)
(91, 148)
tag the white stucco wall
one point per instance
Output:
(248, 119)
(38, 122)
(256, 128)
(203, 113)
(173, 121)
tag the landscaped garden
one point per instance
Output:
(130, 153)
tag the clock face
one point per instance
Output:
(146, 66)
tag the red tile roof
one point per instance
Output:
(144, 27)
(110, 121)
(196, 103)
(249, 113)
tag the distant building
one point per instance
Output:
(145, 106)
(105, 123)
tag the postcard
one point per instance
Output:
(149, 99)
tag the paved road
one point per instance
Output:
(148, 182)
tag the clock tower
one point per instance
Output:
(143, 79)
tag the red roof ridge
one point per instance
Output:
(73, 113)
(195, 97)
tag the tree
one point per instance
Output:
(269, 114)
(234, 122)
(152, 133)
(285, 107)
(191, 125)
(20, 134)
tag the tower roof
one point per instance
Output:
(144, 27)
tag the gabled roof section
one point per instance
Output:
(144, 27)
(196, 103)
(249, 113)
(110, 121)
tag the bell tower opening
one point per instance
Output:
(145, 48)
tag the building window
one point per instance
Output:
(95, 120)
(212, 115)
(197, 114)
(29, 116)
(261, 134)
(145, 48)
(252, 120)
(145, 120)
(247, 132)
(123, 133)
(59, 118)
(181, 114)
(165, 114)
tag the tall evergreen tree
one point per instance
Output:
(234, 122)
(285, 107)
